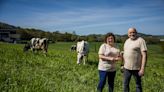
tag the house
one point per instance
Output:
(9, 35)
(161, 40)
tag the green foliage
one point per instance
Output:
(152, 40)
(162, 45)
(27, 34)
(92, 38)
(58, 72)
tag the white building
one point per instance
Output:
(9, 35)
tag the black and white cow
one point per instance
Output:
(37, 44)
(73, 48)
(82, 51)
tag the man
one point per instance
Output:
(135, 58)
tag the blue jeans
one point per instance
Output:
(127, 77)
(103, 75)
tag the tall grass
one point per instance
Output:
(58, 71)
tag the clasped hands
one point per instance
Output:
(117, 58)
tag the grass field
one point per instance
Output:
(58, 72)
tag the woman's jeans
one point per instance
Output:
(103, 75)
(127, 77)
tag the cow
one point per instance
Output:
(73, 48)
(37, 44)
(82, 51)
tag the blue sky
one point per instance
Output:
(85, 16)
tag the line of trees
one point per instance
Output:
(27, 34)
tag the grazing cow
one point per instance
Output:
(82, 51)
(37, 44)
(73, 48)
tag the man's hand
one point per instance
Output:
(141, 72)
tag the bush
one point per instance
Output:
(162, 45)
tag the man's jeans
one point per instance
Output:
(103, 75)
(127, 77)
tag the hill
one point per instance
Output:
(27, 34)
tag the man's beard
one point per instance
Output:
(133, 37)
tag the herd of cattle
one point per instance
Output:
(81, 47)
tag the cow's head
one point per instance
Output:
(26, 47)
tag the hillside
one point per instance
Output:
(27, 34)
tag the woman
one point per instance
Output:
(108, 55)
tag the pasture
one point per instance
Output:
(58, 71)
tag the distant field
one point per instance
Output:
(58, 72)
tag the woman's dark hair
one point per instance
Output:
(107, 35)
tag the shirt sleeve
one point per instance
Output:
(102, 49)
(143, 45)
(117, 49)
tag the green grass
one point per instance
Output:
(58, 71)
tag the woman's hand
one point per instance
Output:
(117, 58)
